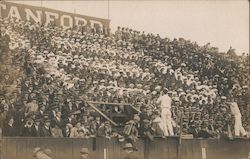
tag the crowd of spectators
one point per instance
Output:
(63, 69)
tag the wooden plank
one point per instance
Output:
(212, 149)
(63, 148)
(172, 147)
(195, 148)
(189, 148)
(162, 149)
(150, 148)
(140, 147)
(115, 104)
(78, 143)
(21, 147)
(105, 116)
(99, 147)
(11, 148)
(184, 149)
(4, 148)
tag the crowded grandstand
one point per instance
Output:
(85, 82)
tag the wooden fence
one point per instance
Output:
(68, 148)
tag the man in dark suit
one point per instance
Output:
(36, 128)
(9, 129)
(46, 129)
(57, 120)
(5, 40)
(70, 119)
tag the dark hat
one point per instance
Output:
(47, 120)
(129, 146)
(54, 106)
(146, 121)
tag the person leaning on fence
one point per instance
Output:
(131, 129)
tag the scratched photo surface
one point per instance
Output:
(125, 79)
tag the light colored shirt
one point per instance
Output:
(235, 109)
(164, 101)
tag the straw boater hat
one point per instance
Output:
(129, 146)
(36, 150)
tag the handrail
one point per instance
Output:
(98, 102)
(100, 112)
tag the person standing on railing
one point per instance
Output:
(165, 104)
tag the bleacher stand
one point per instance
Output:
(58, 71)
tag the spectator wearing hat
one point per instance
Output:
(57, 120)
(131, 129)
(47, 153)
(39, 153)
(146, 130)
(36, 128)
(95, 125)
(9, 129)
(55, 109)
(129, 150)
(46, 129)
(5, 40)
(77, 130)
(85, 154)
(31, 106)
(71, 118)
(56, 131)
(27, 129)
(105, 130)
(41, 111)
(36, 152)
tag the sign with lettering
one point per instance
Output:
(46, 16)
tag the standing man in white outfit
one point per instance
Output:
(165, 104)
(238, 128)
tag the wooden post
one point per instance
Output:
(179, 143)
(105, 153)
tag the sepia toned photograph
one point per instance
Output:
(124, 79)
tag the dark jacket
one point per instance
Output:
(9, 130)
(45, 132)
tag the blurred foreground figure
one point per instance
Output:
(129, 150)
(39, 153)
(238, 128)
(85, 153)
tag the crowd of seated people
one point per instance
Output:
(62, 69)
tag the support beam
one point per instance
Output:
(100, 112)
(115, 104)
